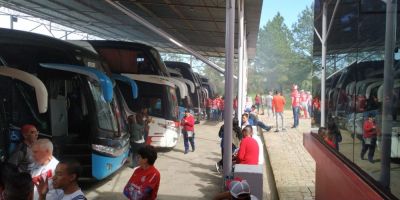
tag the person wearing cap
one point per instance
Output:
(22, 156)
(238, 189)
(369, 138)
(188, 131)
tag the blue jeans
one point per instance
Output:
(134, 153)
(263, 126)
(187, 140)
(296, 110)
(214, 113)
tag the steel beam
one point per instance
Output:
(323, 60)
(387, 120)
(229, 61)
(240, 52)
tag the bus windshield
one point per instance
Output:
(105, 114)
(160, 100)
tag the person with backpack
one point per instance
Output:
(22, 156)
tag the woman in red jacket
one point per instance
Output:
(188, 131)
(369, 138)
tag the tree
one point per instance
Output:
(303, 33)
(273, 57)
(284, 56)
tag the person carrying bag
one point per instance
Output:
(188, 131)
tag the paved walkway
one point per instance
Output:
(292, 165)
(190, 176)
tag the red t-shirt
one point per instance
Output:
(316, 103)
(248, 151)
(257, 99)
(221, 104)
(303, 98)
(330, 143)
(142, 183)
(369, 130)
(295, 98)
(209, 103)
(278, 103)
(189, 124)
(235, 103)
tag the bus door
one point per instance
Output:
(59, 103)
(11, 135)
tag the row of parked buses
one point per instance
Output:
(79, 94)
(357, 91)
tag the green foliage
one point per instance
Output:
(284, 56)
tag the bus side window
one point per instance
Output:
(155, 106)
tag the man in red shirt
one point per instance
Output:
(248, 150)
(145, 180)
(278, 104)
(235, 105)
(221, 108)
(295, 95)
(369, 138)
(208, 107)
(188, 131)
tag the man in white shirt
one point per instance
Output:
(44, 168)
(260, 145)
(66, 178)
(268, 104)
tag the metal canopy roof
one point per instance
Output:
(357, 26)
(200, 24)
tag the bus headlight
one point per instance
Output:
(112, 151)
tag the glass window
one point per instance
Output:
(105, 114)
(355, 90)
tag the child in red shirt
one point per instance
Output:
(145, 180)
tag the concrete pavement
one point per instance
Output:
(293, 167)
(193, 176)
(183, 176)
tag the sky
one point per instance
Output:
(289, 9)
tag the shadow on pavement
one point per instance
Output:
(92, 184)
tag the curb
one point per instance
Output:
(270, 190)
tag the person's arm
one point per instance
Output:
(242, 151)
(151, 188)
(273, 104)
(190, 121)
(42, 188)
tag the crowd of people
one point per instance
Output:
(32, 172)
